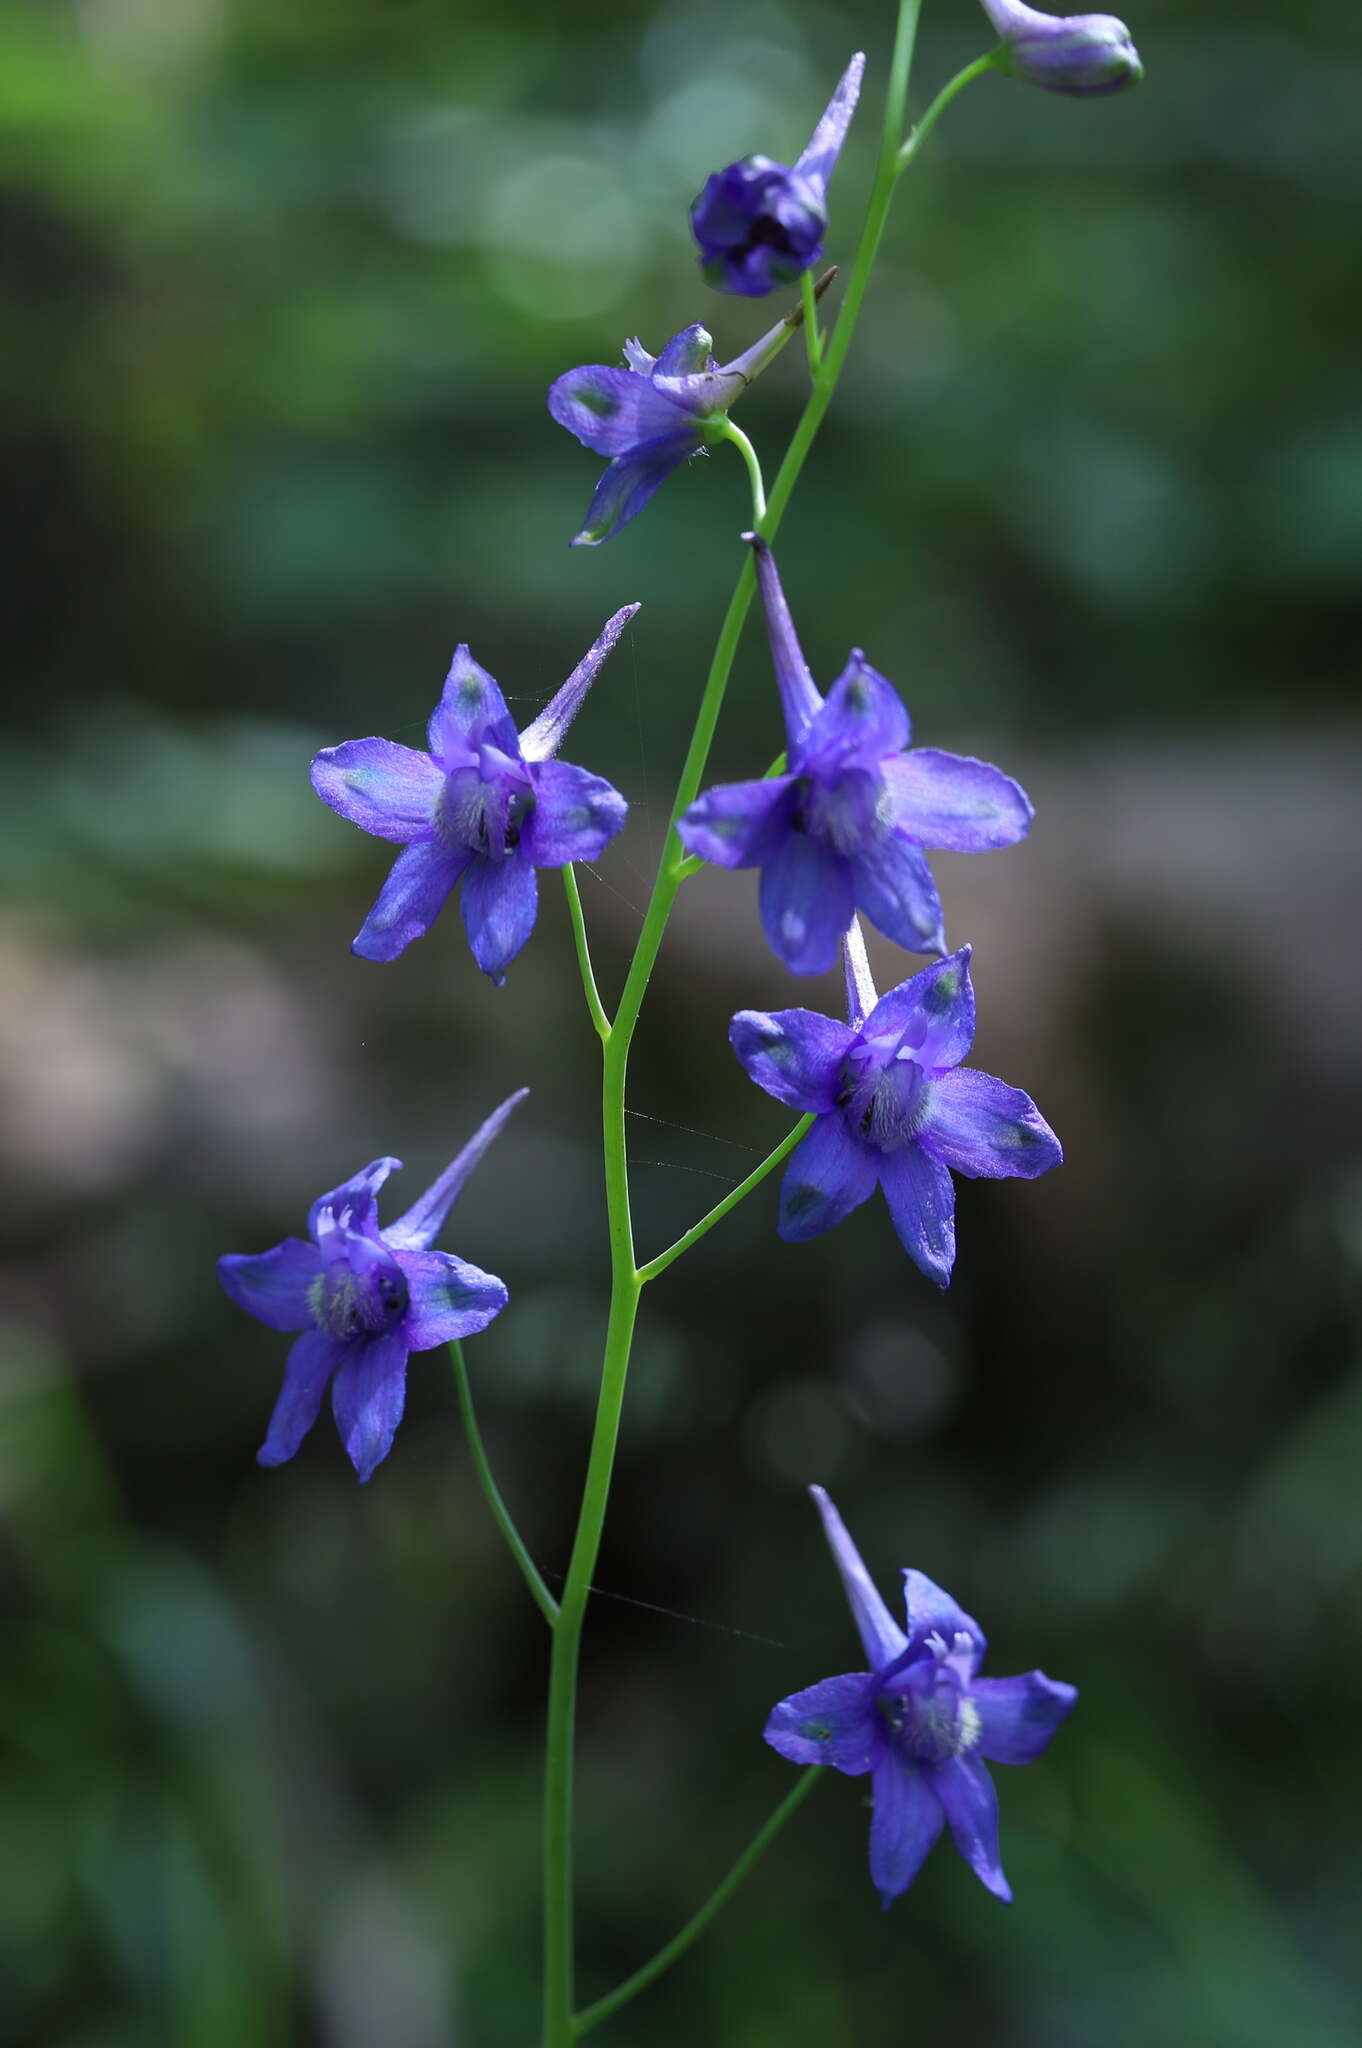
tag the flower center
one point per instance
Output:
(483, 806)
(361, 1291)
(885, 1094)
(929, 1713)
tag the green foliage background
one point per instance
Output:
(289, 283)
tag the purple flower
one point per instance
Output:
(363, 1299)
(486, 805)
(1082, 55)
(920, 1722)
(844, 828)
(759, 224)
(894, 1107)
(654, 415)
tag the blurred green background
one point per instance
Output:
(287, 285)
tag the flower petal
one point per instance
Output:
(354, 1204)
(1018, 1716)
(471, 712)
(800, 696)
(410, 900)
(982, 1128)
(544, 735)
(500, 899)
(630, 481)
(611, 411)
(965, 1790)
(273, 1285)
(806, 903)
(575, 816)
(955, 802)
(863, 720)
(904, 1826)
(834, 1722)
(830, 1173)
(419, 1227)
(449, 1299)
(861, 996)
(385, 789)
(740, 824)
(883, 1639)
(821, 151)
(921, 1201)
(931, 1611)
(368, 1395)
(311, 1362)
(795, 1055)
(687, 354)
(894, 888)
(932, 1013)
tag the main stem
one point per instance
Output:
(626, 1282)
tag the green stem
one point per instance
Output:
(813, 337)
(923, 128)
(626, 1283)
(579, 938)
(729, 1202)
(754, 475)
(714, 1904)
(501, 1514)
(625, 1289)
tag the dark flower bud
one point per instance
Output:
(1082, 55)
(760, 224)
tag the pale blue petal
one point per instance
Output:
(830, 1173)
(863, 720)
(273, 1286)
(500, 899)
(385, 789)
(471, 713)
(795, 1055)
(630, 481)
(367, 1398)
(971, 1805)
(834, 1722)
(954, 802)
(931, 1014)
(982, 1128)
(740, 824)
(894, 888)
(1019, 1716)
(904, 1826)
(311, 1362)
(411, 899)
(449, 1299)
(806, 904)
(575, 815)
(921, 1201)
(611, 411)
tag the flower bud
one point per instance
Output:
(1082, 55)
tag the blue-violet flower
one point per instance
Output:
(1082, 55)
(894, 1107)
(363, 1299)
(654, 415)
(759, 224)
(844, 828)
(486, 805)
(920, 1723)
